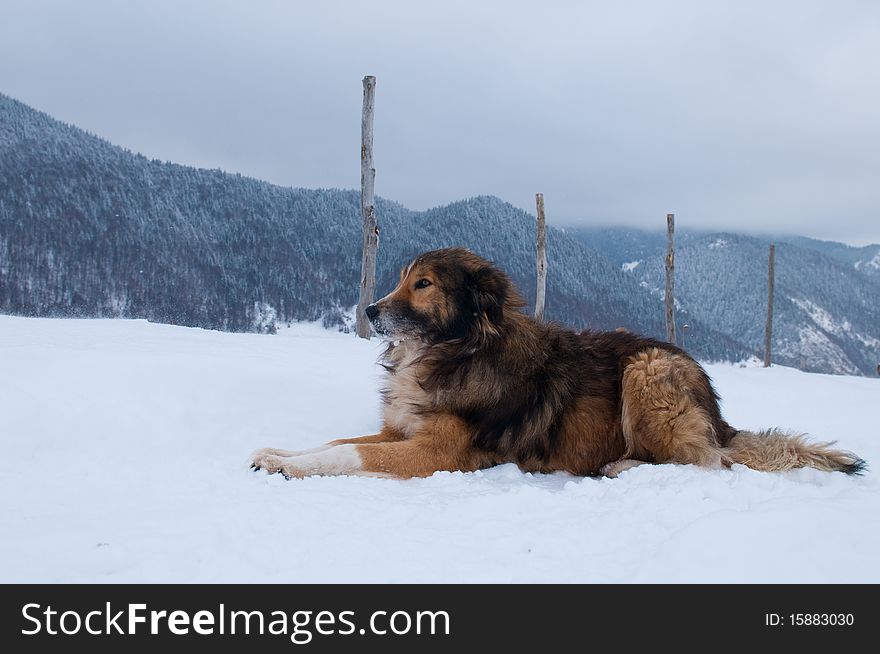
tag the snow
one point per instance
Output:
(629, 266)
(813, 341)
(873, 262)
(718, 244)
(822, 317)
(126, 460)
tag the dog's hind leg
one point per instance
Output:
(661, 419)
(614, 468)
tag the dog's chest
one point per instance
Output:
(405, 399)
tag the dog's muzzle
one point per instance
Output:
(372, 312)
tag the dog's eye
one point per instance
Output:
(423, 283)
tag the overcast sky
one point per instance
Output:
(750, 116)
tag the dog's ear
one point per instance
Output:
(489, 292)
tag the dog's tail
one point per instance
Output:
(773, 450)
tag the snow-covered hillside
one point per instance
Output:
(125, 459)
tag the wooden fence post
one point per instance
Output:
(768, 332)
(368, 211)
(670, 278)
(541, 255)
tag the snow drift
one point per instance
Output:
(126, 460)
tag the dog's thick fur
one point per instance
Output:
(474, 382)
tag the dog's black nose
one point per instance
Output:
(372, 311)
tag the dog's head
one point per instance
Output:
(444, 295)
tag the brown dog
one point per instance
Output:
(474, 382)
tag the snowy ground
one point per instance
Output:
(125, 459)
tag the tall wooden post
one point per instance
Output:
(541, 256)
(768, 332)
(670, 278)
(368, 211)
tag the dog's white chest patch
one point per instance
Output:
(404, 395)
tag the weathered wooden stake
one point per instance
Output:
(368, 211)
(670, 277)
(541, 251)
(768, 332)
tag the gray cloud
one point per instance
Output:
(741, 115)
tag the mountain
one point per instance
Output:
(827, 298)
(865, 259)
(91, 229)
(620, 245)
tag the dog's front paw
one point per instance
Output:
(273, 451)
(266, 460)
(272, 463)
